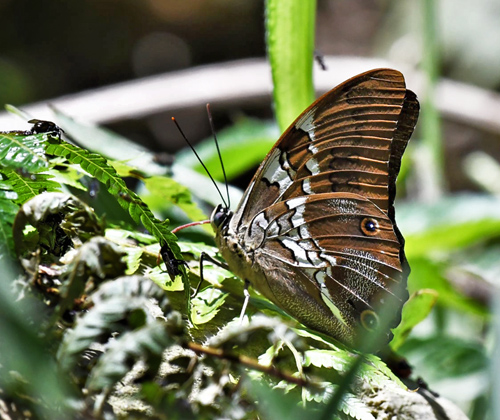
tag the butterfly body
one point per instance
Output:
(315, 231)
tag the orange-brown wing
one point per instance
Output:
(331, 260)
(350, 140)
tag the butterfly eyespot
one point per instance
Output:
(369, 320)
(369, 226)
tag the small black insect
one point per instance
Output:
(172, 264)
(42, 126)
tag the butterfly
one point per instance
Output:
(315, 231)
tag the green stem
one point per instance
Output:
(431, 123)
(290, 28)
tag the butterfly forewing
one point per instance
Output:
(363, 111)
(315, 230)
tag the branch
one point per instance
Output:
(248, 362)
(229, 83)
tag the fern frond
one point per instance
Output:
(23, 150)
(8, 211)
(146, 343)
(98, 167)
(114, 303)
(27, 186)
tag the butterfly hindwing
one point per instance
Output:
(328, 254)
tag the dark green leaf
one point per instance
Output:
(438, 357)
(96, 259)
(8, 211)
(61, 221)
(274, 403)
(112, 303)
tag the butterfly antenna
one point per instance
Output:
(211, 121)
(199, 160)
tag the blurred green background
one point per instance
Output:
(449, 209)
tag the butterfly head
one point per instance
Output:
(220, 217)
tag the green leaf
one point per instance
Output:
(27, 186)
(290, 26)
(206, 304)
(165, 190)
(110, 144)
(427, 274)
(451, 223)
(243, 146)
(113, 302)
(23, 150)
(450, 238)
(415, 310)
(8, 211)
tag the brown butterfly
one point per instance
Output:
(315, 231)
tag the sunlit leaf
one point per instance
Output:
(206, 304)
(23, 150)
(161, 277)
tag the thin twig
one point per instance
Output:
(250, 363)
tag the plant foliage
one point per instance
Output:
(112, 319)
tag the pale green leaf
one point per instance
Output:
(206, 305)
(415, 310)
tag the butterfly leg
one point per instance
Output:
(205, 257)
(245, 302)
